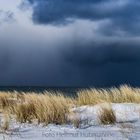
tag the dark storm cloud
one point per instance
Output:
(54, 11)
(103, 65)
(97, 44)
(124, 15)
(57, 11)
(103, 53)
(100, 65)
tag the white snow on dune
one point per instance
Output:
(127, 112)
(127, 126)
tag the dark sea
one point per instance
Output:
(68, 91)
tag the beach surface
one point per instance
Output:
(127, 126)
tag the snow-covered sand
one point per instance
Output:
(127, 126)
(127, 112)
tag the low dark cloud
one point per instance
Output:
(101, 65)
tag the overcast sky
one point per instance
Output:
(69, 42)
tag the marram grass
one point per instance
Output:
(124, 94)
(53, 108)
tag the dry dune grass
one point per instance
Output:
(46, 108)
(106, 115)
(52, 108)
(7, 99)
(5, 123)
(124, 94)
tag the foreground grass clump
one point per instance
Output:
(54, 108)
(46, 108)
(24, 112)
(106, 116)
(6, 99)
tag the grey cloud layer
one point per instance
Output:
(6, 16)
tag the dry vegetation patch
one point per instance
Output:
(124, 94)
(106, 116)
(53, 108)
(45, 108)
